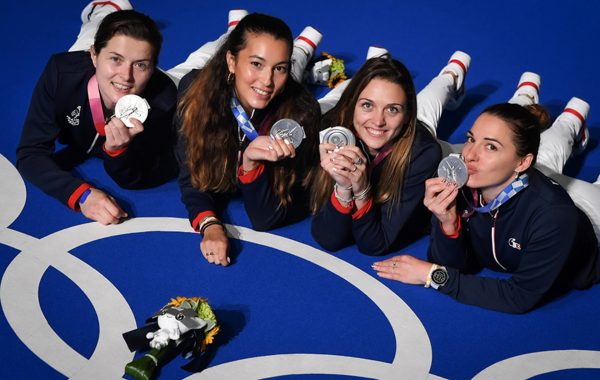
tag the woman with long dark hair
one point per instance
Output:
(225, 114)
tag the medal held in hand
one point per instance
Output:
(288, 129)
(131, 106)
(454, 169)
(338, 136)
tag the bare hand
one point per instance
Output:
(118, 136)
(405, 268)
(214, 245)
(102, 208)
(264, 148)
(346, 165)
(440, 199)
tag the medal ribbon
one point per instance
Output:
(510, 191)
(243, 119)
(383, 153)
(96, 105)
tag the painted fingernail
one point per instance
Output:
(286, 141)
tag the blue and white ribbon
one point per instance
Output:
(242, 118)
(520, 183)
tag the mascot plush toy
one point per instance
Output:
(184, 325)
(325, 71)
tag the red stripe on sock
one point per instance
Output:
(574, 112)
(232, 23)
(308, 41)
(107, 3)
(529, 84)
(462, 65)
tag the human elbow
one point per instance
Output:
(262, 224)
(372, 249)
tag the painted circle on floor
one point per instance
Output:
(19, 298)
(20, 283)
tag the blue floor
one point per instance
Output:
(288, 310)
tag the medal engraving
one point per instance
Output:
(288, 129)
(131, 106)
(338, 136)
(454, 169)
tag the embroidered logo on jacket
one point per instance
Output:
(513, 243)
(74, 118)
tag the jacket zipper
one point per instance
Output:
(494, 238)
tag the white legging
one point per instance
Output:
(195, 60)
(556, 146)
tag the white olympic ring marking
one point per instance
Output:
(111, 353)
(12, 193)
(537, 363)
(21, 307)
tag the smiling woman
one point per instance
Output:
(124, 66)
(371, 194)
(74, 103)
(225, 114)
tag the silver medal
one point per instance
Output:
(288, 129)
(338, 136)
(454, 169)
(131, 106)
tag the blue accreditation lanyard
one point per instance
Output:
(242, 118)
(520, 183)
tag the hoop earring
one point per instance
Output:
(230, 78)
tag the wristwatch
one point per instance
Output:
(439, 276)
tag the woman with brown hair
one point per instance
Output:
(225, 114)
(371, 193)
(75, 104)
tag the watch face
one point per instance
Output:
(288, 129)
(454, 169)
(338, 136)
(131, 106)
(439, 277)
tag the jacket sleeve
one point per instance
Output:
(149, 160)
(383, 226)
(548, 246)
(263, 208)
(35, 153)
(449, 251)
(331, 227)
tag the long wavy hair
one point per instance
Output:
(211, 131)
(389, 186)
